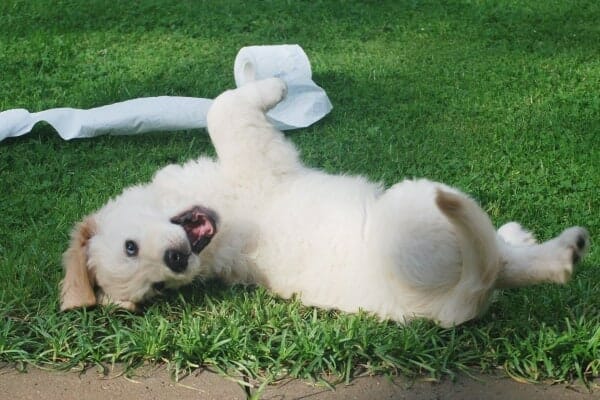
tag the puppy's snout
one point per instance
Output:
(176, 260)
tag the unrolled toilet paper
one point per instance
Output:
(305, 103)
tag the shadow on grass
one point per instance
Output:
(563, 24)
(205, 37)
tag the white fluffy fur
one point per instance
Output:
(417, 249)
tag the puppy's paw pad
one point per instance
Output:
(573, 245)
(513, 233)
(582, 241)
(577, 240)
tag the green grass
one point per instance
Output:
(499, 98)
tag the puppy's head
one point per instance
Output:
(133, 248)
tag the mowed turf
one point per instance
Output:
(498, 98)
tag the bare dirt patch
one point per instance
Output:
(155, 383)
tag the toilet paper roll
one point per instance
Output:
(305, 103)
(287, 61)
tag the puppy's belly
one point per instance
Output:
(313, 242)
(347, 247)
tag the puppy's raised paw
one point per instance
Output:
(265, 93)
(271, 91)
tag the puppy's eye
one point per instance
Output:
(131, 248)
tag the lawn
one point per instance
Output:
(498, 98)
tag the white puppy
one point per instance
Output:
(257, 215)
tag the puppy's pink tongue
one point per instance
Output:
(204, 229)
(200, 225)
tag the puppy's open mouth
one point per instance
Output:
(199, 224)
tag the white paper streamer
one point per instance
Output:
(305, 103)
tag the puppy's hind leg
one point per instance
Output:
(526, 263)
(249, 147)
(513, 233)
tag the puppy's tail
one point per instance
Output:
(477, 241)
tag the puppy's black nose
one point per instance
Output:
(176, 260)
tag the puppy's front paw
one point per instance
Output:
(271, 91)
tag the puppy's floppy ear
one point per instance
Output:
(77, 288)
